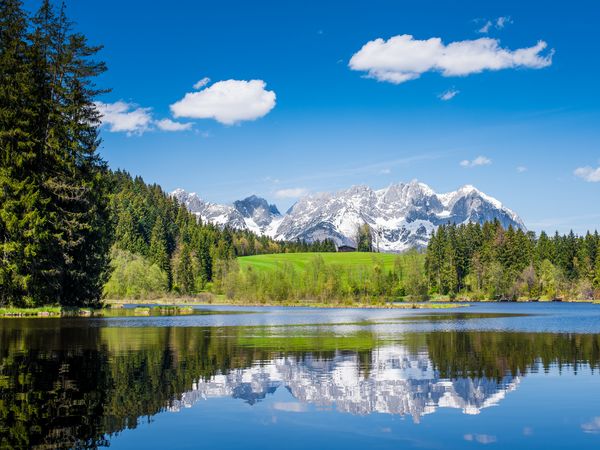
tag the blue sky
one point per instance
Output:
(519, 126)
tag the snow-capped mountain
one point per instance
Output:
(252, 213)
(401, 216)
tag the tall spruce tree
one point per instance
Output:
(54, 198)
(19, 218)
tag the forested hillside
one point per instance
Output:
(490, 262)
(160, 247)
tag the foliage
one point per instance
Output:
(488, 261)
(134, 276)
(326, 278)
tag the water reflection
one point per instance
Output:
(65, 384)
(393, 381)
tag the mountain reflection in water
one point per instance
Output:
(394, 381)
(65, 384)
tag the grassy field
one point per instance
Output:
(299, 260)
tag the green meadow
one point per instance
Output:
(300, 260)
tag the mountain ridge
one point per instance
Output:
(402, 215)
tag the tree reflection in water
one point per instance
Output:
(65, 384)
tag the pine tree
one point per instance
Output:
(159, 252)
(184, 271)
(449, 282)
(18, 193)
(54, 213)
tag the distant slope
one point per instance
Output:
(299, 260)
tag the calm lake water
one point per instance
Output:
(494, 376)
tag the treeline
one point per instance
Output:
(319, 282)
(489, 262)
(160, 247)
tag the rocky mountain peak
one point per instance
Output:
(404, 214)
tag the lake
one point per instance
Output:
(490, 375)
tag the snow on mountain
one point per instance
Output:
(252, 213)
(402, 216)
(259, 216)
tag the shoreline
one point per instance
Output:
(57, 312)
(405, 305)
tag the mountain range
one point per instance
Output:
(401, 216)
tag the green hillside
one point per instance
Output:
(300, 260)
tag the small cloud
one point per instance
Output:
(403, 58)
(501, 22)
(521, 169)
(498, 23)
(291, 193)
(123, 117)
(588, 174)
(385, 171)
(480, 438)
(527, 431)
(201, 83)
(448, 95)
(486, 27)
(171, 125)
(228, 102)
(477, 162)
(593, 426)
(290, 407)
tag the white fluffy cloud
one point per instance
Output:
(521, 169)
(588, 174)
(291, 193)
(479, 161)
(124, 117)
(228, 102)
(403, 58)
(171, 125)
(449, 94)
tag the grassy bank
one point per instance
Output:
(49, 311)
(220, 300)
